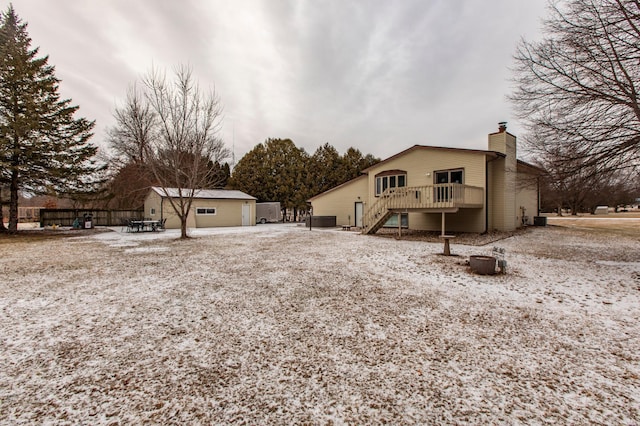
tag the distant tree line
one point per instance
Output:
(277, 170)
(580, 193)
(577, 91)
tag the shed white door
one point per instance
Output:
(246, 215)
(359, 213)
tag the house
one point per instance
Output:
(210, 208)
(436, 188)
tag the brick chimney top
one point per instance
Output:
(502, 126)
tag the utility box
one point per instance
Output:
(540, 221)
(88, 221)
(321, 221)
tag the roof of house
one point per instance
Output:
(533, 168)
(437, 148)
(494, 154)
(337, 187)
(225, 194)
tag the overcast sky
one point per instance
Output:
(378, 75)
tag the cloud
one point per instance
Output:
(376, 75)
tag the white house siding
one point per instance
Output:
(340, 201)
(422, 160)
(527, 197)
(421, 164)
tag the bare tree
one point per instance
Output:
(130, 140)
(569, 184)
(185, 144)
(131, 136)
(578, 89)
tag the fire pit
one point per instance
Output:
(483, 265)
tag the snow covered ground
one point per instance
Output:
(282, 325)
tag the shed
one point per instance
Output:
(211, 208)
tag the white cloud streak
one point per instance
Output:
(377, 75)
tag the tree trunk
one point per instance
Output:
(13, 202)
(574, 209)
(183, 227)
(2, 227)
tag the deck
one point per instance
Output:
(447, 197)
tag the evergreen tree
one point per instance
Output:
(43, 149)
(353, 163)
(274, 171)
(278, 171)
(251, 174)
(223, 170)
(325, 169)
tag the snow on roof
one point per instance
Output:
(227, 194)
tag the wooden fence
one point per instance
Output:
(29, 214)
(66, 217)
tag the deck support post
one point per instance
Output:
(443, 213)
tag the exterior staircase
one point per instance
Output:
(377, 215)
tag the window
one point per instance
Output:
(443, 177)
(153, 211)
(392, 222)
(449, 176)
(390, 179)
(206, 210)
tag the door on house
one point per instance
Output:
(443, 193)
(246, 215)
(359, 213)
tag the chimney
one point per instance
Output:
(502, 126)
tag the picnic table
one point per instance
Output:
(145, 225)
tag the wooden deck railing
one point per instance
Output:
(421, 198)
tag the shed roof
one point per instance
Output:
(224, 194)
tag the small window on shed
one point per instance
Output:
(205, 210)
(152, 212)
